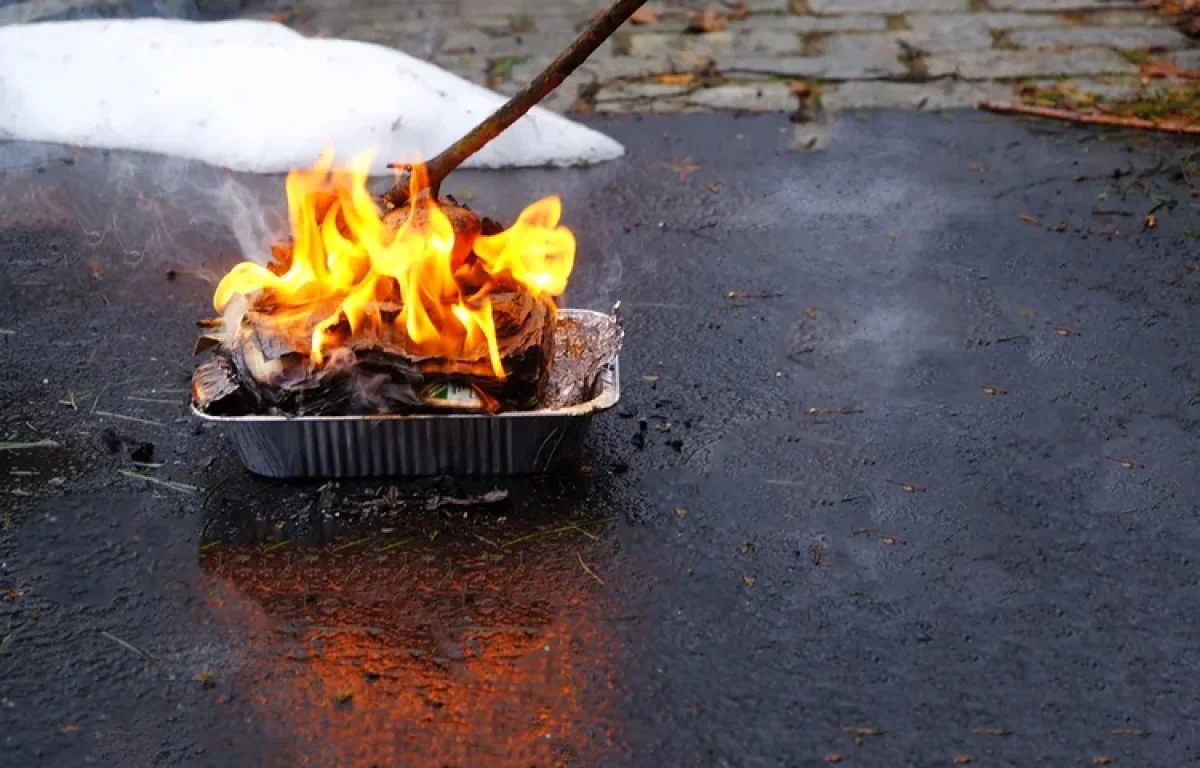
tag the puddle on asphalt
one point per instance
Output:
(372, 630)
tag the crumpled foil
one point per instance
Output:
(583, 347)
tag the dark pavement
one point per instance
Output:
(995, 558)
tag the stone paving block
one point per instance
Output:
(766, 97)
(1128, 17)
(872, 46)
(984, 65)
(1110, 90)
(1131, 38)
(941, 42)
(1188, 60)
(826, 67)
(807, 24)
(948, 94)
(35, 10)
(643, 44)
(1059, 6)
(643, 97)
(948, 24)
(762, 41)
(887, 6)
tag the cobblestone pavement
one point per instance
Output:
(846, 54)
(801, 56)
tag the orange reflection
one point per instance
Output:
(415, 657)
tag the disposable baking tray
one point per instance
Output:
(390, 445)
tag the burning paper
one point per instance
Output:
(424, 307)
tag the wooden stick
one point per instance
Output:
(1079, 118)
(567, 62)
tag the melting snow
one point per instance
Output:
(255, 96)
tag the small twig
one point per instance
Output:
(740, 295)
(125, 645)
(567, 62)
(135, 419)
(96, 402)
(590, 572)
(564, 529)
(351, 544)
(6, 446)
(1079, 118)
(174, 486)
(9, 637)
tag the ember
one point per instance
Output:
(426, 304)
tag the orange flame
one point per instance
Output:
(416, 285)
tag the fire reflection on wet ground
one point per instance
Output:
(390, 634)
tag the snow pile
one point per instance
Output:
(256, 96)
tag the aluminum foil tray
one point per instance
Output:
(516, 443)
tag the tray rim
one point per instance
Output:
(609, 396)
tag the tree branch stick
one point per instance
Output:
(1079, 118)
(567, 62)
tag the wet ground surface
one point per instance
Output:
(923, 488)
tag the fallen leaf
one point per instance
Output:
(705, 21)
(1102, 760)
(680, 512)
(714, 187)
(206, 677)
(892, 540)
(749, 580)
(646, 15)
(990, 390)
(812, 312)
(343, 696)
(834, 757)
(1063, 330)
(280, 18)
(72, 728)
(1151, 221)
(739, 12)
(681, 79)
(962, 759)
(1160, 69)
(816, 552)
(1125, 463)
(907, 487)
(1025, 217)
(95, 267)
(976, 167)
(684, 168)
(800, 88)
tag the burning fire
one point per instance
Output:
(410, 278)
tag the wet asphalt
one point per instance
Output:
(904, 473)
